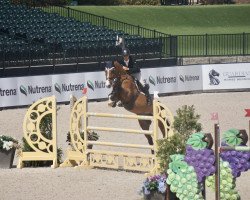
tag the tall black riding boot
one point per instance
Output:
(145, 90)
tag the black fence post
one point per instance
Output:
(154, 33)
(243, 43)
(173, 46)
(103, 20)
(206, 44)
(138, 30)
(68, 12)
(163, 47)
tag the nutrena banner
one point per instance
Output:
(19, 91)
(26, 90)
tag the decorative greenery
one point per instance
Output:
(196, 141)
(26, 148)
(167, 147)
(46, 130)
(230, 137)
(93, 136)
(182, 179)
(185, 124)
(154, 183)
(7, 142)
(177, 163)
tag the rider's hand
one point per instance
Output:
(125, 68)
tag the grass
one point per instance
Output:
(180, 20)
(190, 23)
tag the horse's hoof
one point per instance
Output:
(119, 104)
(112, 104)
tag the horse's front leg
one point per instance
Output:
(111, 102)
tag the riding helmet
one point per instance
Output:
(125, 52)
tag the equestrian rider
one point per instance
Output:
(128, 64)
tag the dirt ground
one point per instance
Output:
(98, 184)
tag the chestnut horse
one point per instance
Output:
(133, 100)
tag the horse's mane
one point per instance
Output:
(119, 68)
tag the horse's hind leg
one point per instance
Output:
(162, 128)
(145, 124)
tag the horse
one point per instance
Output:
(133, 100)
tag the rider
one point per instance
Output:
(129, 65)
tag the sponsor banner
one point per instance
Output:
(32, 88)
(19, 91)
(189, 78)
(95, 83)
(8, 92)
(226, 76)
(162, 79)
(92, 84)
(66, 84)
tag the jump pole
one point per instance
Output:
(217, 161)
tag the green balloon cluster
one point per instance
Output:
(227, 182)
(183, 179)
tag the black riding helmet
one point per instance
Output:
(125, 52)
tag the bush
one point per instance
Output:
(185, 124)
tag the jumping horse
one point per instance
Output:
(133, 100)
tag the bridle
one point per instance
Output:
(112, 75)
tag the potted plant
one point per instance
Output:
(93, 136)
(8, 147)
(154, 187)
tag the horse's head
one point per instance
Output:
(110, 76)
(113, 72)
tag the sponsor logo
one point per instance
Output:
(236, 76)
(162, 80)
(151, 80)
(58, 88)
(96, 84)
(68, 87)
(35, 89)
(90, 85)
(188, 78)
(8, 92)
(23, 90)
(214, 77)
